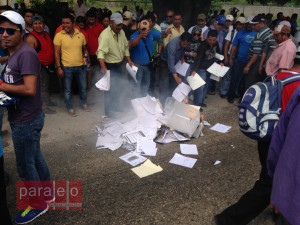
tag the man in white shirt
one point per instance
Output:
(81, 9)
(201, 22)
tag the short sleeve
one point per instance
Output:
(30, 63)
(57, 40)
(236, 39)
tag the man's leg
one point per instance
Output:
(4, 213)
(45, 76)
(252, 203)
(225, 83)
(82, 83)
(137, 93)
(145, 81)
(253, 77)
(163, 82)
(67, 81)
(199, 92)
(236, 77)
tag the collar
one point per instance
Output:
(75, 31)
(285, 42)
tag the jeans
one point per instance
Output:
(143, 80)
(112, 97)
(236, 78)
(80, 75)
(4, 213)
(200, 93)
(253, 202)
(1, 118)
(226, 83)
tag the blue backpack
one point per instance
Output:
(260, 108)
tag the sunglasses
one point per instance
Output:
(9, 31)
(170, 16)
(197, 34)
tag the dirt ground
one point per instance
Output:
(113, 194)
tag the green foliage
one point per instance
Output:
(118, 5)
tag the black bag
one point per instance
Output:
(152, 64)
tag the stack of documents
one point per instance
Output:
(104, 83)
(181, 92)
(217, 71)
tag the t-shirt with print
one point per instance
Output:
(24, 61)
(244, 38)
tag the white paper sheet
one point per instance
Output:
(184, 88)
(217, 162)
(178, 95)
(149, 104)
(218, 70)
(132, 71)
(188, 149)
(132, 137)
(220, 128)
(195, 81)
(179, 136)
(104, 83)
(214, 77)
(183, 161)
(133, 158)
(146, 169)
(115, 130)
(206, 123)
(146, 147)
(109, 141)
(182, 68)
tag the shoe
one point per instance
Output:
(211, 93)
(230, 100)
(50, 103)
(201, 110)
(47, 110)
(72, 112)
(86, 108)
(29, 215)
(203, 105)
(222, 96)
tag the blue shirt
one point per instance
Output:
(244, 38)
(1, 148)
(172, 53)
(139, 52)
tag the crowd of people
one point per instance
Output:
(92, 40)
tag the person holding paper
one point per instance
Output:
(113, 47)
(141, 54)
(172, 53)
(205, 58)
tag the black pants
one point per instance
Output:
(4, 214)
(253, 202)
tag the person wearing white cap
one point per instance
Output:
(127, 20)
(22, 79)
(227, 47)
(113, 47)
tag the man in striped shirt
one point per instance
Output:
(256, 49)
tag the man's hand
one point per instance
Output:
(182, 60)
(60, 72)
(131, 64)
(177, 78)
(274, 208)
(260, 69)
(222, 64)
(144, 34)
(246, 70)
(103, 70)
(193, 73)
(230, 62)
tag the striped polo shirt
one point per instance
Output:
(260, 41)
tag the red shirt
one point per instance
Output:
(86, 36)
(46, 48)
(289, 89)
(93, 34)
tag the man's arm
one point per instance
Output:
(57, 52)
(263, 58)
(135, 41)
(226, 46)
(129, 61)
(102, 65)
(232, 51)
(31, 41)
(28, 88)
(252, 61)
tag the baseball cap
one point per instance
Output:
(257, 19)
(13, 17)
(249, 19)
(287, 23)
(241, 20)
(229, 17)
(127, 15)
(37, 18)
(201, 16)
(144, 24)
(221, 19)
(134, 16)
(282, 29)
(116, 18)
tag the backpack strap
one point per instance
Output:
(290, 79)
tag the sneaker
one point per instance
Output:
(222, 96)
(47, 110)
(86, 108)
(29, 215)
(203, 105)
(72, 112)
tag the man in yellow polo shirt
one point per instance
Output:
(69, 47)
(113, 47)
(176, 28)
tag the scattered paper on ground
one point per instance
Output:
(206, 123)
(188, 149)
(133, 158)
(217, 162)
(220, 128)
(146, 169)
(183, 160)
(146, 146)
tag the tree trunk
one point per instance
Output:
(188, 8)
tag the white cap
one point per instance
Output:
(127, 15)
(229, 17)
(14, 17)
(116, 18)
(249, 19)
(241, 20)
(285, 22)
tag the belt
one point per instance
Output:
(113, 64)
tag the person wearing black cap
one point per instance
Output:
(256, 49)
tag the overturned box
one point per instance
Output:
(182, 117)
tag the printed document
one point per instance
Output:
(221, 128)
(195, 81)
(218, 70)
(182, 68)
(133, 158)
(132, 71)
(188, 149)
(183, 161)
(104, 83)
